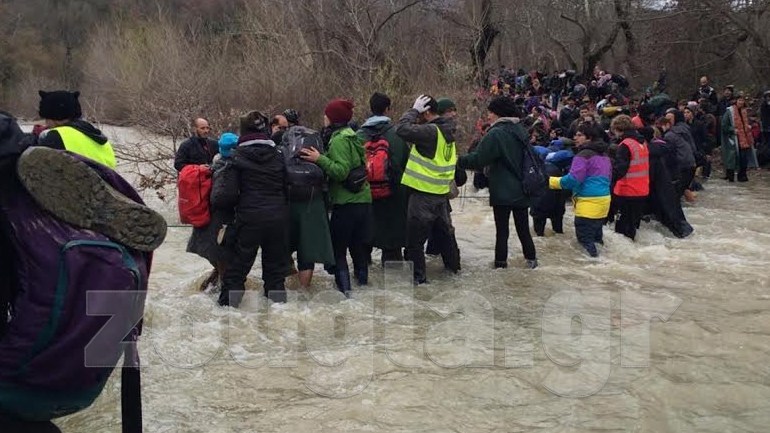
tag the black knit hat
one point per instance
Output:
(504, 106)
(254, 122)
(59, 105)
(291, 116)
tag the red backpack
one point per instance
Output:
(378, 169)
(194, 189)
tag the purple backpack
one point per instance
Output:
(77, 310)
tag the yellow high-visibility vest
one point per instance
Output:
(433, 176)
(78, 142)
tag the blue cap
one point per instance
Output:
(227, 142)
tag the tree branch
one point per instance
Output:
(393, 15)
(577, 23)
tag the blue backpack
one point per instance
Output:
(68, 328)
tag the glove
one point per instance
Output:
(421, 104)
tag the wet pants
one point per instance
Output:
(351, 229)
(589, 233)
(273, 238)
(502, 229)
(426, 214)
(631, 210)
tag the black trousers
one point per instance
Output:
(502, 229)
(557, 222)
(589, 233)
(429, 214)
(631, 210)
(743, 161)
(686, 175)
(273, 238)
(351, 230)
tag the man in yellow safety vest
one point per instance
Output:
(67, 131)
(429, 173)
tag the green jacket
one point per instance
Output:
(346, 152)
(502, 150)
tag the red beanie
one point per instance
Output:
(339, 111)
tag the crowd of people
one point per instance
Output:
(621, 159)
(66, 217)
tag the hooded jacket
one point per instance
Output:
(589, 179)
(259, 178)
(502, 150)
(51, 138)
(680, 138)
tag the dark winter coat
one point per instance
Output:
(502, 150)
(389, 213)
(195, 150)
(258, 180)
(568, 115)
(51, 137)
(11, 146)
(663, 201)
(681, 140)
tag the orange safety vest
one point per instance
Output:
(636, 182)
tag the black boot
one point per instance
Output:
(362, 276)
(730, 175)
(501, 265)
(342, 278)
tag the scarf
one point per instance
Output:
(742, 128)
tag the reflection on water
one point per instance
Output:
(577, 345)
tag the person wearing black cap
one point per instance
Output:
(429, 173)
(262, 212)
(502, 150)
(67, 131)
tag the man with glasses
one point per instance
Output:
(199, 148)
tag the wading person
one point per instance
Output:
(345, 165)
(631, 173)
(429, 173)
(261, 212)
(589, 179)
(502, 150)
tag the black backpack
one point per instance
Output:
(533, 177)
(304, 179)
(534, 180)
